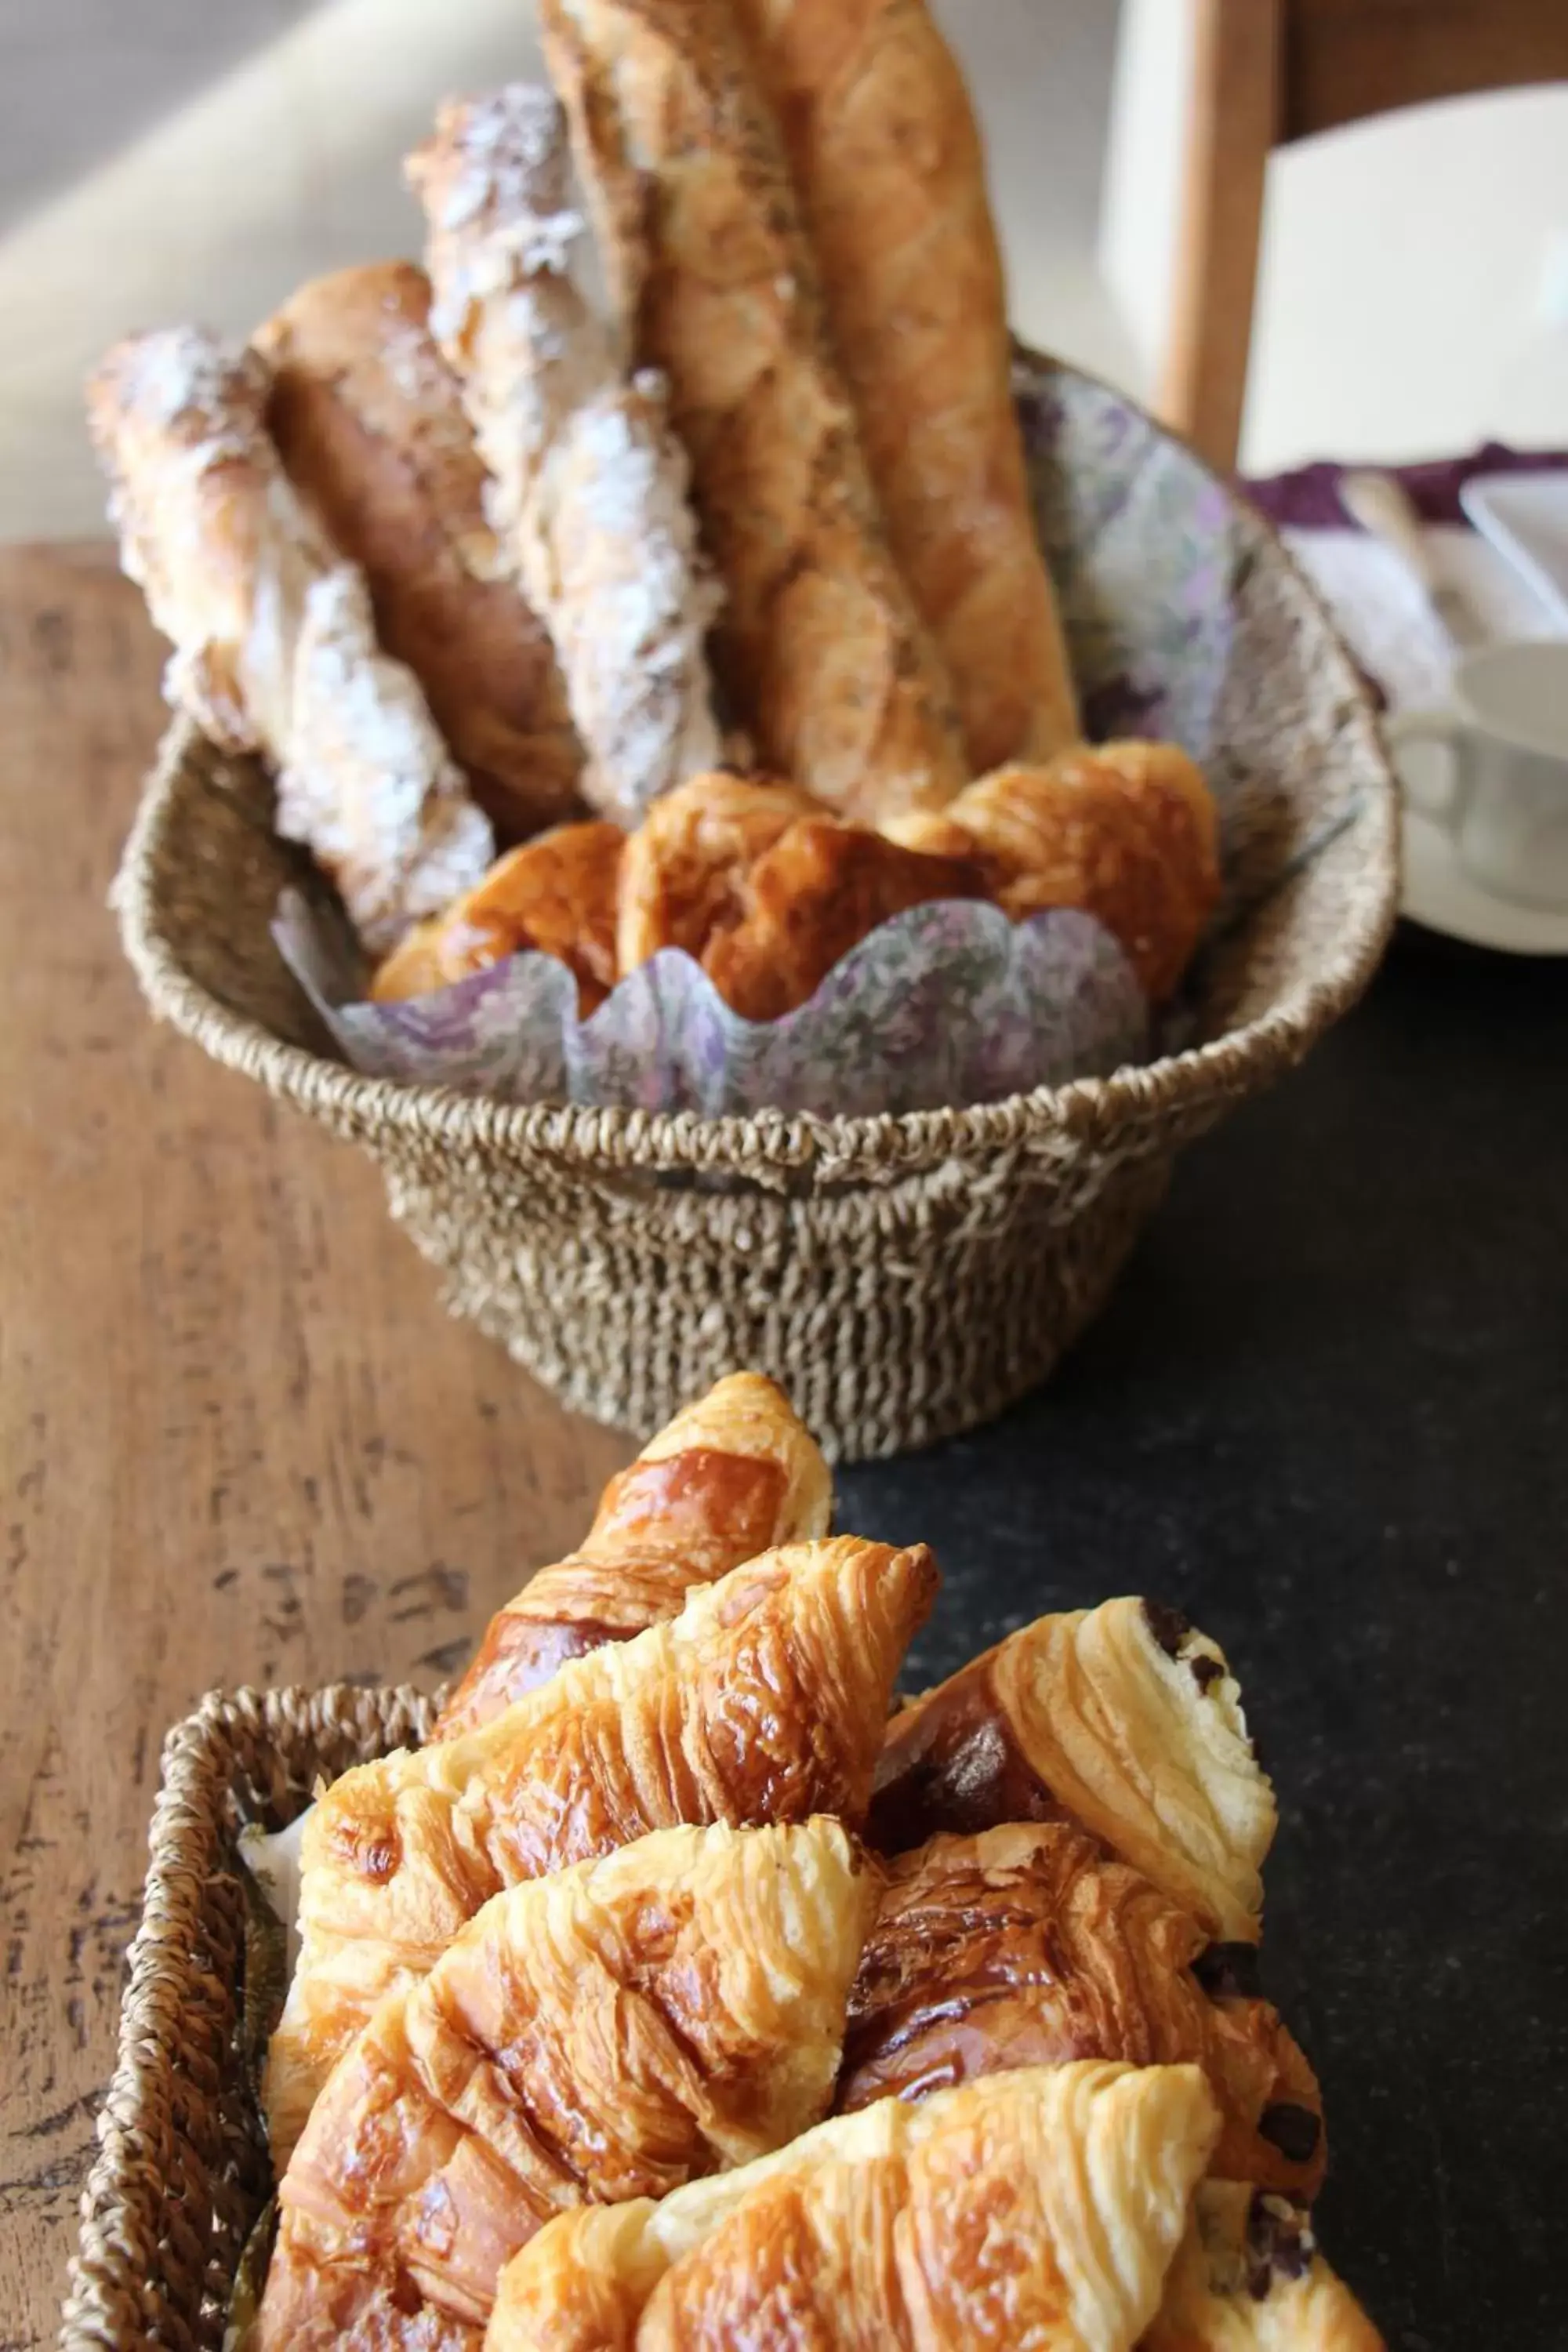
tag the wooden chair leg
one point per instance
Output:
(1233, 114)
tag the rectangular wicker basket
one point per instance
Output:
(183, 2170)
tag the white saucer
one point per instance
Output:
(1439, 893)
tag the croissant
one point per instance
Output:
(1127, 832)
(1121, 1719)
(555, 895)
(764, 1701)
(1038, 2209)
(765, 890)
(1249, 2278)
(685, 870)
(1025, 1947)
(369, 422)
(607, 2033)
(819, 643)
(818, 892)
(734, 1474)
(887, 159)
(274, 646)
(589, 483)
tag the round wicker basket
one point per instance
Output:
(903, 1277)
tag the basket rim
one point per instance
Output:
(1087, 1110)
(203, 1755)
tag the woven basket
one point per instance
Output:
(183, 2170)
(903, 1277)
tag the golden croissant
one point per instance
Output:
(1121, 1719)
(764, 1701)
(554, 895)
(1026, 1946)
(610, 2032)
(733, 1474)
(1248, 2278)
(1037, 2211)
(1128, 832)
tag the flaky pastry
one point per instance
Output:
(1036, 2210)
(766, 889)
(1026, 1947)
(819, 641)
(589, 483)
(369, 422)
(686, 866)
(1125, 831)
(611, 2031)
(733, 1475)
(886, 156)
(554, 894)
(820, 890)
(763, 1701)
(1121, 1719)
(1249, 2278)
(275, 645)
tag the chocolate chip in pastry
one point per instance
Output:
(672, 2009)
(1121, 1719)
(1248, 2278)
(369, 423)
(733, 1475)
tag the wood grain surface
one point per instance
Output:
(241, 1442)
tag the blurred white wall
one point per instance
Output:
(170, 159)
(1413, 295)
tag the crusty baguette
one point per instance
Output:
(275, 645)
(820, 644)
(588, 482)
(370, 425)
(889, 170)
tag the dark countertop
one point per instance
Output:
(1326, 1412)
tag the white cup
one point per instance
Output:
(1502, 793)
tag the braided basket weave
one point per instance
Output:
(903, 1277)
(183, 2171)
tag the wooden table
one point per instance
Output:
(240, 1444)
(1324, 1413)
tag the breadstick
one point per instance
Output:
(274, 646)
(370, 427)
(820, 643)
(589, 483)
(889, 172)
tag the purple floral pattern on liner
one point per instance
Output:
(1143, 547)
(948, 1003)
